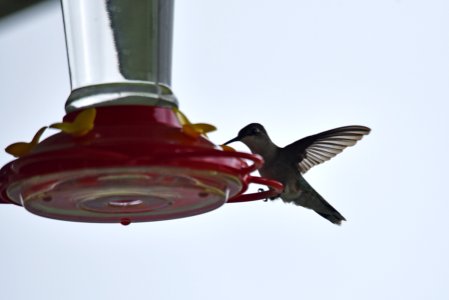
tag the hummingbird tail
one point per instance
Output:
(332, 217)
(309, 198)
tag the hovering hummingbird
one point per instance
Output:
(287, 164)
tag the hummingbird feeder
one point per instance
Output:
(125, 152)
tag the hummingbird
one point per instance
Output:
(288, 164)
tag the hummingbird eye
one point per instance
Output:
(254, 131)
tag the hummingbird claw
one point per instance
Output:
(261, 191)
(269, 198)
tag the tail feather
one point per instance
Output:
(333, 218)
(307, 197)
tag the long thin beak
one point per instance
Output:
(236, 139)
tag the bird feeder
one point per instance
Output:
(125, 152)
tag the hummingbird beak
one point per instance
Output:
(236, 139)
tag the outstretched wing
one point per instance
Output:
(316, 149)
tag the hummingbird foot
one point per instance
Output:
(260, 190)
(269, 198)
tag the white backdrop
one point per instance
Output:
(298, 67)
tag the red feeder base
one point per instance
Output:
(136, 165)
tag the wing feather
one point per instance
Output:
(318, 148)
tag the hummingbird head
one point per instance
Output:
(255, 137)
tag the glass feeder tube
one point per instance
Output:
(119, 52)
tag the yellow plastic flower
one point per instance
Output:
(83, 123)
(227, 148)
(23, 148)
(193, 130)
(181, 117)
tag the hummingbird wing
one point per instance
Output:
(318, 148)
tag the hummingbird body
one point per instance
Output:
(287, 164)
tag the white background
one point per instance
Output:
(298, 67)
